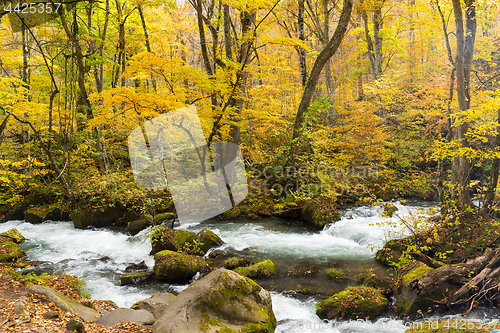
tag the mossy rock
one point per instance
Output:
(56, 214)
(103, 217)
(319, 212)
(335, 274)
(36, 215)
(409, 300)
(389, 209)
(353, 303)
(368, 277)
(137, 226)
(206, 240)
(171, 239)
(236, 262)
(9, 251)
(159, 218)
(14, 235)
(257, 271)
(222, 301)
(135, 278)
(175, 267)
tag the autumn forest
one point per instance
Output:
(333, 104)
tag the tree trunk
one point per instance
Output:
(146, 36)
(377, 40)
(460, 178)
(495, 169)
(301, 51)
(320, 62)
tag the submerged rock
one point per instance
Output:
(135, 278)
(353, 303)
(156, 304)
(259, 270)
(222, 301)
(119, 315)
(65, 303)
(174, 267)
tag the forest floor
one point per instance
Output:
(24, 312)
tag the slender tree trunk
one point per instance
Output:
(146, 36)
(369, 45)
(489, 197)
(320, 62)
(377, 40)
(460, 178)
(301, 51)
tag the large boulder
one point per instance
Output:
(57, 214)
(175, 267)
(65, 303)
(259, 270)
(353, 303)
(170, 239)
(222, 301)
(119, 315)
(156, 304)
(105, 217)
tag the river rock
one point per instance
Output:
(119, 315)
(65, 303)
(390, 253)
(319, 212)
(14, 235)
(410, 300)
(259, 270)
(57, 214)
(155, 304)
(160, 218)
(85, 217)
(135, 278)
(236, 262)
(35, 215)
(174, 267)
(9, 250)
(137, 226)
(206, 240)
(353, 303)
(170, 239)
(222, 301)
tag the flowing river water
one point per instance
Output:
(100, 257)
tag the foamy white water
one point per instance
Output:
(100, 257)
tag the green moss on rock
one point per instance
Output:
(159, 218)
(175, 267)
(171, 239)
(259, 270)
(13, 235)
(236, 262)
(390, 254)
(9, 251)
(353, 303)
(319, 212)
(368, 277)
(206, 239)
(335, 274)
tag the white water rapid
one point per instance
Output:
(100, 257)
